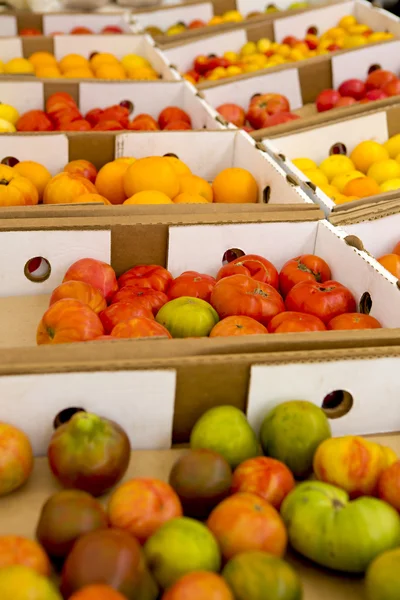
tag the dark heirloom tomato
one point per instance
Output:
(237, 326)
(307, 267)
(147, 297)
(146, 276)
(120, 312)
(354, 321)
(291, 322)
(193, 284)
(253, 266)
(242, 295)
(323, 300)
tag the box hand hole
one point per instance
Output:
(65, 415)
(337, 404)
(374, 68)
(338, 148)
(37, 269)
(10, 161)
(365, 304)
(172, 154)
(232, 254)
(266, 194)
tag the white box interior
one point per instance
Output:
(165, 18)
(141, 401)
(49, 150)
(379, 236)
(240, 92)
(10, 48)
(65, 22)
(23, 95)
(249, 6)
(229, 148)
(8, 25)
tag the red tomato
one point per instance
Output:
(172, 113)
(116, 113)
(140, 327)
(242, 295)
(147, 297)
(253, 266)
(121, 312)
(323, 300)
(58, 101)
(68, 320)
(193, 284)
(396, 249)
(391, 262)
(34, 120)
(146, 276)
(354, 321)
(292, 322)
(94, 116)
(237, 326)
(307, 267)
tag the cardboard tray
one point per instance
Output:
(231, 148)
(302, 82)
(149, 97)
(315, 142)
(61, 45)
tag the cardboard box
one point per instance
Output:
(302, 82)
(315, 143)
(231, 148)
(146, 96)
(61, 45)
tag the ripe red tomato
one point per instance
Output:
(323, 300)
(150, 299)
(391, 262)
(237, 326)
(94, 116)
(172, 113)
(121, 312)
(307, 267)
(58, 101)
(292, 322)
(34, 120)
(253, 266)
(116, 113)
(146, 276)
(354, 321)
(242, 295)
(378, 78)
(140, 327)
(191, 283)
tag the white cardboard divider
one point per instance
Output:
(379, 236)
(356, 64)
(50, 150)
(182, 57)
(165, 18)
(375, 408)
(60, 248)
(8, 25)
(23, 95)
(230, 149)
(285, 82)
(249, 6)
(279, 242)
(142, 402)
(376, 18)
(65, 22)
(10, 48)
(149, 97)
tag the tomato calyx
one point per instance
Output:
(258, 292)
(326, 289)
(302, 267)
(4, 181)
(51, 332)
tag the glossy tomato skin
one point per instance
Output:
(193, 284)
(295, 322)
(391, 262)
(139, 327)
(146, 276)
(253, 266)
(353, 321)
(241, 295)
(68, 320)
(121, 312)
(307, 267)
(147, 297)
(323, 300)
(233, 326)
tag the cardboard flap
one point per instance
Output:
(66, 21)
(142, 402)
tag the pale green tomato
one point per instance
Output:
(187, 317)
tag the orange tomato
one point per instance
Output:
(65, 187)
(97, 591)
(237, 326)
(82, 291)
(396, 249)
(16, 190)
(120, 312)
(354, 321)
(17, 550)
(294, 322)
(140, 327)
(68, 321)
(199, 585)
(391, 262)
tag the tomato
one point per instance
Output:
(121, 312)
(193, 284)
(146, 276)
(188, 317)
(354, 321)
(396, 249)
(116, 113)
(237, 326)
(147, 297)
(253, 266)
(94, 116)
(68, 321)
(80, 290)
(242, 295)
(307, 267)
(323, 300)
(292, 322)
(58, 101)
(34, 120)
(139, 327)
(391, 262)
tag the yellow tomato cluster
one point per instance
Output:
(100, 66)
(371, 169)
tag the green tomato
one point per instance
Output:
(188, 317)
(344, 535)
(382, 580)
